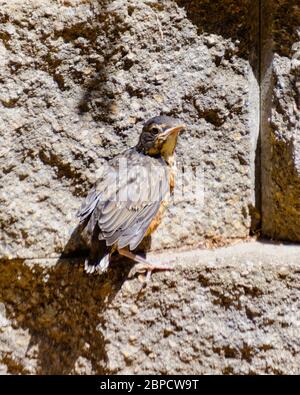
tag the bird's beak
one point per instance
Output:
(175, 129)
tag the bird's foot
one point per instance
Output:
(148, 268)
(143, 265)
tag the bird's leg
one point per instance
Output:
(143, 264)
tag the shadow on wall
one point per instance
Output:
(62, 308)
(99, 97)
(211, 17)
(231, 19)
(285, 26)
(280, 105)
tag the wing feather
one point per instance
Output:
(124, 209)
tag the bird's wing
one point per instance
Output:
(126, 200)
(96, 194)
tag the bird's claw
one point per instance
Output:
(148, 269)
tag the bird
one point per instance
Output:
(127, 202)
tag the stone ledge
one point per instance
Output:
(264, 249)
(231, 310)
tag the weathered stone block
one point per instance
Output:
(230, 311)
(281, 120)
(78, 78)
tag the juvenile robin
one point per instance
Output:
(127, 203)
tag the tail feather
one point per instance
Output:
(99, 266)
(99, 256)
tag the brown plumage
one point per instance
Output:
(127, 202)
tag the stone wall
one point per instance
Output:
(77, 80)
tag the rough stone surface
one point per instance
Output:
(232, 310)
(78, 78)
(281, 120)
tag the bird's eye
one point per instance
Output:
(155, 130)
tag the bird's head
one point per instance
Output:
(159, 136)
